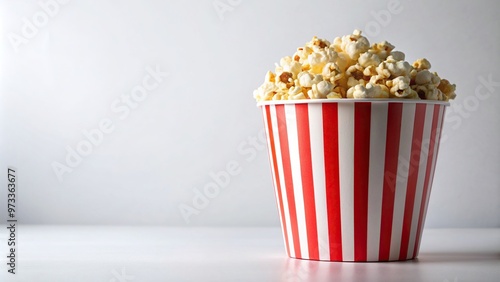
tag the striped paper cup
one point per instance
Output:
(353, 177)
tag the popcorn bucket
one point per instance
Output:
(353, 177)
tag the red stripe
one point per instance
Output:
(362, 116)
(394, 116)
(416, 148)
(440, 129)
(427, 179)
(287, 171)
(276, 174)
(302, 113)
(331, 151)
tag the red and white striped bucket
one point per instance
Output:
(353, 177)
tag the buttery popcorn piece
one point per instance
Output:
(352, 45)
(320, 90)
(400, 87)
(447, 88)
(295, 93)
(370, 91)
(422, 64)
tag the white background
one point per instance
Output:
(66, 76)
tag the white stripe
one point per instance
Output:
(293, 144)
(318, 175)
(271, 161)
(279, 162)
(378, 131)
(346, 165)
(433, 168)
(422, 167)
(408, 117)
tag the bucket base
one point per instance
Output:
(361, 261)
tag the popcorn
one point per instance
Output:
(318, 43)
(334, 95)
(320, 90)
(284, 80)
(426, 77)
(307, 79)
(331, 72)
(351, 68)
(370, 71)
(428, 85)
(318, 60)
(370, 91)
(422, 64)
(447, 88)
(355, 75)
(289, 65)
(295, 93)
(270, 76)
(369, 59)
(265, 92)
(397, 68)
(286, 77)
(400, 87)
(302, 54)
(396, 56)
(382, 49)
(353, 45)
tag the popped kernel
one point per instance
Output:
(382, 49)
(368, 91)
(369, 59)
(447, 88)
(320, 90)
(354, 44)
(400, 87)
(295, 93)
(331, 72)
(334, 95)
(396, 56)
(422, 64)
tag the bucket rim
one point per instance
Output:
(352, 101)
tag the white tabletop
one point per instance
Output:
(119, 254)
